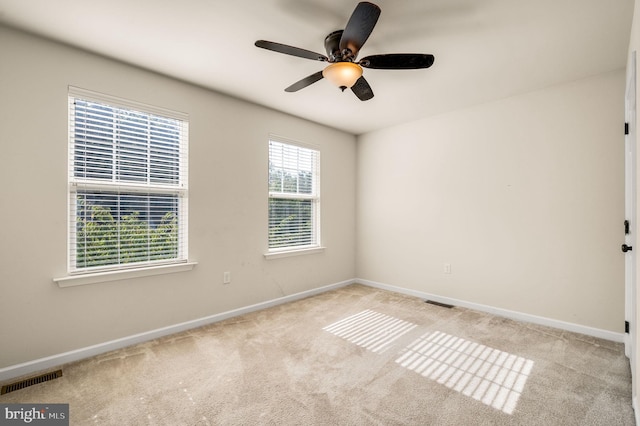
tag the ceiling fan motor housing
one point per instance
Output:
(332, 46)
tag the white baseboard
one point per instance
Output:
(49, 362)
(46, 363)
(519, 316)
(634, 404)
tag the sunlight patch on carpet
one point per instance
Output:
(371, 330)
(488, 375)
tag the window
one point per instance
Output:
(294, 197)
(127, 184)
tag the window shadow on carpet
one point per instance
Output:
(371, 330)
(491, 376)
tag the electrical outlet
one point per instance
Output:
(447, 268)
(226, 278)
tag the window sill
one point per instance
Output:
(101, 277)
(289, 253)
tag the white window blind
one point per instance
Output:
(127, 183)
(294, 196)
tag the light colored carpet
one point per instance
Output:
(353, 356)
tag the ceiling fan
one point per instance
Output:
(342, 48)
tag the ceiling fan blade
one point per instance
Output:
(362, 89)
(398, 61)
(359, 27)
(290, 50)
(307, 81)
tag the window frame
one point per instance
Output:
(315, 197)
(118, 188)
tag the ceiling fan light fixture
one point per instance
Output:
(342, 48)
(343, 74)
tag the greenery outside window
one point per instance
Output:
(294, 196)
(127, 184)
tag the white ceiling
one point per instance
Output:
(484, 49)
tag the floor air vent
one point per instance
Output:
(442, 305)
(31, 381)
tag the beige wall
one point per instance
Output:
(228, 206)
(524, 197)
